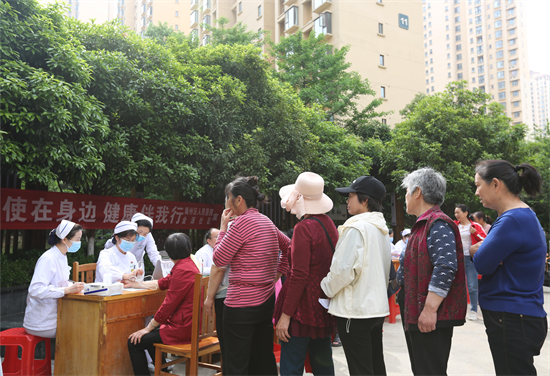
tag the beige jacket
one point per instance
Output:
(359, 274)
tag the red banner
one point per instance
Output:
(25, 209)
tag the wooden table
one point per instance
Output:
(92, 331)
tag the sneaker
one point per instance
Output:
(472, 316)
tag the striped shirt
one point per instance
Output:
(251, 248)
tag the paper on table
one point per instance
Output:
(134, 289)
(324, 302)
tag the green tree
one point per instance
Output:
(320, 74)
(161, 32)
(450, 131)
(235, 35)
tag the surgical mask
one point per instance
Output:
(126, 246)
(140, 238)
(391, 239)
(406, 240)
(73, 248)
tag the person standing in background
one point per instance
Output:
(206, 252)
(484, 220)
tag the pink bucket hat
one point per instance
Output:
(305, 196)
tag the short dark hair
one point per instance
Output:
(178, 246)
(144, 223)
(208, 234)
(373, 204)
(464, 208)
(53, 239)
(247, 188)
(390, 231)
(529, 179)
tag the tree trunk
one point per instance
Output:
(91, 242)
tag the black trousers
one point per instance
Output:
(248, 340)
(431, 350)
(401, 302)
(219, 307)
(362, 342)
(514, 341)
(137, 355)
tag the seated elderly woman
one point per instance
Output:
(172, 322)
(432, 273)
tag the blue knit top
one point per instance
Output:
(512, 262)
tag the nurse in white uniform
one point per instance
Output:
(50, 281)
(118, 261)
(144, 240)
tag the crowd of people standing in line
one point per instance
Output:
(337, 278)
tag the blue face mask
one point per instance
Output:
(391, 239)
(140, 238)
(126, 246)
(73, 248)
(406, 240)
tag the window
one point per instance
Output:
(513, 52)
(457, 29)
(458, 38)
(473, 79)
(498, 44)
(481, 79)
(479, 49)
(427, 72)
(447, 37)
(512, 42)
(515, 83)
(431, 61)
(291, 17)
(206, 20)
(459, 57)
(382, 91)
(480, 69)
(446, 18)
(457, 10)
(502, 85)
(478, 20)
(459, 66)
(500, 75)
(259, 11)
(449, 75)
(176, 27)
(426, 63)
(457, 19)
(511, 31)
(448, 46)
(497, 13)
(498, 34)
(500, 54)
(471, 40)
(432, 79)
(382, 60)
(515, 93)
(503, 105)
(511, 22)
(383, 120)
(479, 29)
(431, 69)
(479, 40)
(516, 114)
(459, 76)
(502, 95)
(240, 6)
(511, 11)
(459, 47)
(194, 17)
(482, 89)
(498, 23)
(500, 64)
(496, 3)
(176, 13)
(427, 81)
(430, 42)
(323, 24)
(480, 59)
(380, 28)
(513, 63)
(478, 10)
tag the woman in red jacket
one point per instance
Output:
(172, 322)
(470, 233)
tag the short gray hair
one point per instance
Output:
(431, 182)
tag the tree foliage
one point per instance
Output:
(235, 35)
(450, 131)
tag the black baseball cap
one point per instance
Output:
(366, 185)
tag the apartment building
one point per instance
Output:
(87, 10)
(484, 43)
(540, 94)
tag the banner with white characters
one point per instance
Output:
(27, 209)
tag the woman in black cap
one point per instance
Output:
(358, 279)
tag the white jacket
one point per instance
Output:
(51, 276)
(138, 250)
(359, 273)
(115, 262)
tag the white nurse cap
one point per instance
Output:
(125, 226)
(64, 228)
(142, 217)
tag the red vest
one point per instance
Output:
(418, 273)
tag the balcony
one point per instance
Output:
(194, 19)
(206, 6)
(319, 6)
(289, 2)
(194, 4)
(291, 20)
(323, 24)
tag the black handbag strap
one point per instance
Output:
(326, 232)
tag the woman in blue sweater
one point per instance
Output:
(511, 260)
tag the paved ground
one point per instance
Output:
(470, 354)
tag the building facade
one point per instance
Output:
(540, 93)
(87, 10)
(483, 42)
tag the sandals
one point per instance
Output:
(336, 342)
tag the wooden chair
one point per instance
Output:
(204, 340)
(87, 270)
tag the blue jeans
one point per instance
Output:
(471, 277)
(514, 341)
(293, 356)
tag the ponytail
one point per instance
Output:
(516, 178)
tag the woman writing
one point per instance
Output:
(470, 233)
(358, 277)
(118, 261)
(511, 260)
(302, 323)
(172, 322)
(251, 249)
(50, 281)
